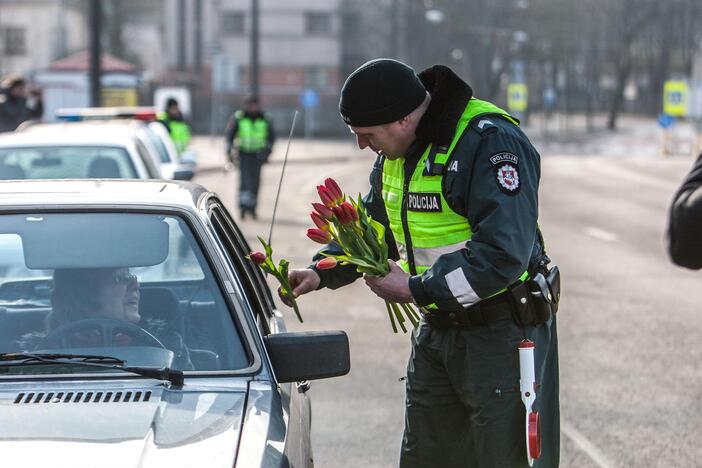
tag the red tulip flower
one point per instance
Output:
(334, 189)
(342, 215)
(265, 262)
(326, 263)
(326, 196)
(317, 235)
(323, 211)
(257, 257)
(320, 222)
(350, 211)
(362, 240)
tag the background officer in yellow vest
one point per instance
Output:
(456, 183)
(173, 119)
(251, 134)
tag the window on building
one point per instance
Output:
(318, 23)
(15, 41)
(233, 23)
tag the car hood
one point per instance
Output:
(149, 426)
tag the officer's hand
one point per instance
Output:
(392, 287)
(301, 281)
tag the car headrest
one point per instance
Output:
(11, 172)
(105, 168)
(160, 305)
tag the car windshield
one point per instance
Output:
(65, 162)
(127, 285)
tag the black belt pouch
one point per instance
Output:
(554, 283)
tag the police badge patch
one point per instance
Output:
(508, 179)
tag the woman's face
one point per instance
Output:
(118, 293)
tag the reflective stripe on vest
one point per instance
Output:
(418, 213)
(252, 134)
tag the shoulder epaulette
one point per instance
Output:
(485, 124)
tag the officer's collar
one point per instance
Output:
(253, 115)
(449, 97)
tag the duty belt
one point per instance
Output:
(487, 311)
(527, 303)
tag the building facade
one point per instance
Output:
(34, 33)
(299, 52)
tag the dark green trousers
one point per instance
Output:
(463, 403)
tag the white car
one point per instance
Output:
(77, 150)
(154, 135)
(147, 338)
(173, 165)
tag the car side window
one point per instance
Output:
(146, 159)
(237, 248)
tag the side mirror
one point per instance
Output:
(308, 355)
(183, 174)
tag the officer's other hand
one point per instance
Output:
(392, 287)
(301, 281)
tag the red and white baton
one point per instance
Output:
(527, 388)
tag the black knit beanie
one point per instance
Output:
(379, 92)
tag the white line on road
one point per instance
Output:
(585, 445)
(601, 234)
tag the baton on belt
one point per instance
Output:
(527, 389)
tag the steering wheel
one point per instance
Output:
(109, 328)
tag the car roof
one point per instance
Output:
(101, 192)
(97, 132)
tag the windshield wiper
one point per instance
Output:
(175, 377)
(28, 358)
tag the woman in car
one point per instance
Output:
(111, 293)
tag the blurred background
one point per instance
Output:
(546, 59)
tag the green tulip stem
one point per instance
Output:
(392, 319)
(398, 315)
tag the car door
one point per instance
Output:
(294, 396)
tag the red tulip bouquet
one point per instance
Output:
(280, 272)
(361, 238)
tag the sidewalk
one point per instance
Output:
(211, 155)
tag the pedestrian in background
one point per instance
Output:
(14, 103)
(250, 134)
(685, 221)
(456, 186)
(177, 127)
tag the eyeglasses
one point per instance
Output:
(125, 278)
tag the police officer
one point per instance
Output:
(685, 221)
(254, 137)
(14, 106)
(173, 119)
(456, 184)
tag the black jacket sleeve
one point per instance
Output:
(373, 202)
(271, 134)
(495, 186)
(685, 221)
(230, 132)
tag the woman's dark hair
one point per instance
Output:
(75, 294)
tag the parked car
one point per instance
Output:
(102, 149)
(155, 136)
(147, 339)
(173, 165)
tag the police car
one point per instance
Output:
(100, 149)
(144, 337)
(153, 134)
